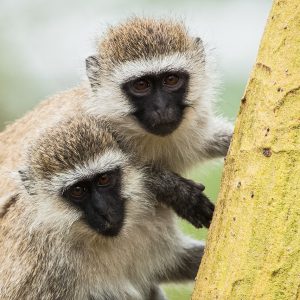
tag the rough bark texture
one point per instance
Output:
(253, 249)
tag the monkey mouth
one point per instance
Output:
(160, 122)
(103, 226)
(110, 231)
(164, 122)
(164, 128)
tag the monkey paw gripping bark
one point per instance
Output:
(184, 196)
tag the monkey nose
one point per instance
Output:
(107, 226)
(104, 227)
(108, 218)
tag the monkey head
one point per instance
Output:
(153, 72)
(77, 170)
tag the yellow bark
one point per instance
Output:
(253, 248)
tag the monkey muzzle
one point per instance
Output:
(106, 217)
(163, 122)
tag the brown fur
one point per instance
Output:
(55, 153)
(143, 38)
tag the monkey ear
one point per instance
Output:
(200, 45)
(93, 71)
(26, 180)
(198, 40)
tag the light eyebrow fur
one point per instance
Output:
(137, 68)
(106, 162)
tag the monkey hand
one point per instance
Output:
(193, 205)
(218, 144)
(184, 196)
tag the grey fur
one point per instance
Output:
(48, 252)
(156, 293)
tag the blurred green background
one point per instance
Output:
(43, 45)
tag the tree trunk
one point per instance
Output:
(253, 248)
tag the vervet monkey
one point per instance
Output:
(161, 90)
(150, 79)
(85, 223)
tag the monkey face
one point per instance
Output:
(158, 100)
(100, 199)
(77, 166)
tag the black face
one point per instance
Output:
(158, 100)
(101, 201)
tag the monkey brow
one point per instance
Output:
(145, 74)
(64, 181)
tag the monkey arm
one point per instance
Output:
(156, 293)
(218, 141)
(184, 196)
(188, 263)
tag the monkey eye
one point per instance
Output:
(104, 180)
(172, 81)
(77, 191)
(141, 86)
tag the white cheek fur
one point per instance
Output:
(109, 100)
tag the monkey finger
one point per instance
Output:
(193, 184)
(206, 210)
